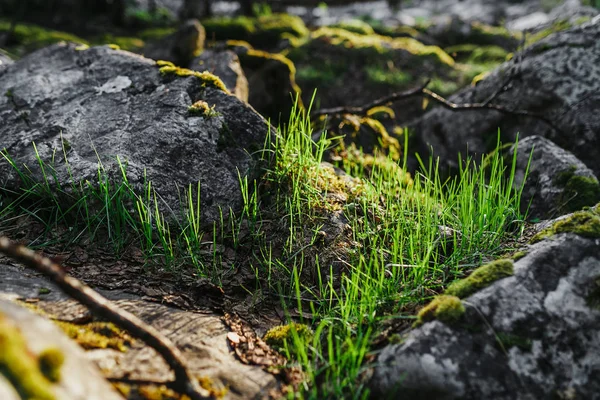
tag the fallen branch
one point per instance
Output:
(423, 91)
(184, 383)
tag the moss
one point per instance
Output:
(169, 69)
(43, 291)
(481, 278)
(584, 223)
(518, 255)
(578, 191)
(355, 26)
(381, 44)
(121, 42)
(280, 335)
(50, 362)
(202, 109)
(263, 31)
(29, 37)
(474, 54)
(507, 340)
(97, 335)
(387, 76)
(155, 33)
(557, 26)
(256, 58)
(482, 34)
(444, 308)
(20, 366)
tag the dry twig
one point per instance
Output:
(184, 383)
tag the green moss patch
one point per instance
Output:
(444, 308)
(278, 336)
(481, 278)
(381, 44)
(263, 31)
(355, 26)
(28, 37)
(20, 366)
(169, 69)
(202, 109)
(584, 223)
(97, 335)
(578, 191)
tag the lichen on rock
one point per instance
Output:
(443, 308)
(480, 278)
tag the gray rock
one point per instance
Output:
(103, 103)
(179, 47)
(5, 61)
(530, 336)
(558, 77)
(226, 65)
(80, 379)
(557, 183)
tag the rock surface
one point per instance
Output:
(103, 103)
(226, 65)
(5, 60)
(557, 77)
(201, 336)
(557, 182)
(179, 47)
(80, 379)
(533, 335)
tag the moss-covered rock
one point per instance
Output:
(20, 366)
(578, 190)
(169, 69)
(281, 335)
(356, 26)
(584, 223)
(444, 308)
(50, 362)
(264, 32)
(481, 278)
(28, 37)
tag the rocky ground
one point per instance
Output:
(151, 179)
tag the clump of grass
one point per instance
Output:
(409, 236)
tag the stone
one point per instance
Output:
(557, 77)
(179, 47)
(557, 183)
(79, 378)
(533, 335)
(226, 65)
(5, 61)
(97, 104)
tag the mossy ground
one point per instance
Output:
(481, 278)
(167, 68)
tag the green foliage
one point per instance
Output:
(481, 278)
(29, 37)
(578, 191)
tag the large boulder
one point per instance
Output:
(558, 77)
(94, 105)
(557, 183)
(532, 335)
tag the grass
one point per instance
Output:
(407, 239)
